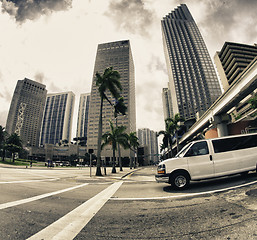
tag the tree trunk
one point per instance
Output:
(99, 141)
(177, 141)
(113, 160)
(3, 157)
(131, 162)
(120, 162)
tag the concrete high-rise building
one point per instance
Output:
(26, 111)
(82, 123)
(119, 56)
(231, 61)
(148, 138)
(194, 84)
(57, 119)
(166, 102)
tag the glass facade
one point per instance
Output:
(82, 123)
(57, 119)
(194, 84)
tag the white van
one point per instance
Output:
(210, 158)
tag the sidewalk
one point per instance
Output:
(108, 174)
(85, 171)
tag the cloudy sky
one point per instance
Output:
(55, 42)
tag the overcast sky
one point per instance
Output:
(55, 42)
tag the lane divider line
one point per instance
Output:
(184, 195)
(31, 199)
(27, 181)
(69, 226)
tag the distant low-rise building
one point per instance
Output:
(148, 142)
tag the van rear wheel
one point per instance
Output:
(180, 180)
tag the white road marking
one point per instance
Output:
(184, 195)
(26, 181)
(26, 200)
(72, 223)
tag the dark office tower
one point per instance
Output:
(26, 111)
(194, 85)
(82, 123)
(117, 55)
(232, 60)
(57, 119)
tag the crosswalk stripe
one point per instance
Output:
(72, 223)
(26, 200)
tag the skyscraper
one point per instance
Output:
(26, 111)
(194, 85)
(232, 59)
(82, 124)
(57, 119)
(119, 56)
(148, 138)
(166, 102)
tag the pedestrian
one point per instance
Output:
(31, 163)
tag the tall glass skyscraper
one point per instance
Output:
(119, 56)
(26, 111)
(82, 124)
(193, 84)
(57, 119)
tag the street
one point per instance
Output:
(66, 203)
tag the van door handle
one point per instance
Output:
(211, 157)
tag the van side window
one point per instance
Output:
(234, 143)
(199, 148)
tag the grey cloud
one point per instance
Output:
(225, 16)
(39, 77)
(53, 88)
(157, 65)
(131, 15)
(23, 10)
(3, 117)
(6, 95)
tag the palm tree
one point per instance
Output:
(14, 144)
(133, 144)
(167, 135)
(175, 122)
(108, 81)
(119, 107)
(114, 137)
(253, 102)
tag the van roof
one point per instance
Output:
(232, 136)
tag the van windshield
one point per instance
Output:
(183, 151)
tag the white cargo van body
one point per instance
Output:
(210, 158)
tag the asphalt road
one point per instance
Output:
(67, 203)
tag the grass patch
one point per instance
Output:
(21, 162)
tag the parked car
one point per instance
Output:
(210, 158)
